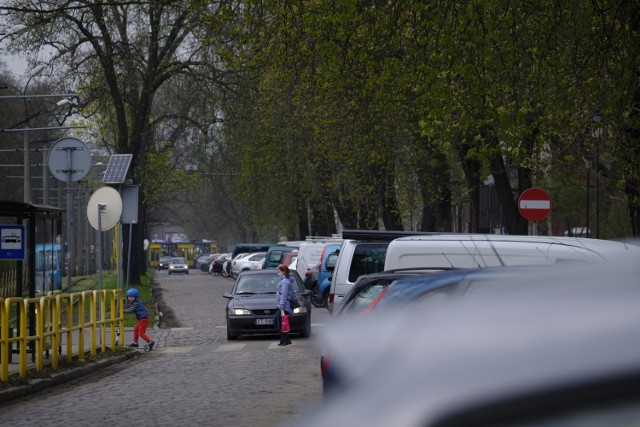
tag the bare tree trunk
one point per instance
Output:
(389, 209)
(471, 169)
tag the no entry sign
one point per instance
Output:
(534, 204)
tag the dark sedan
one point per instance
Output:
(252, 305)
(376, 295)
(163, 263)
(369, 286)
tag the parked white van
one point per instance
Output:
(492, 250)
(452, 250)
(310, 252)
(361, 252)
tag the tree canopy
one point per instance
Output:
(290, 115)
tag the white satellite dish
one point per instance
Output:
(104, 208)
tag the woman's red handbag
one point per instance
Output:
(285, 323)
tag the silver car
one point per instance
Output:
(250, 261)
(178, 265)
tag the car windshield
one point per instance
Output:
(178, 261)
(257, 284)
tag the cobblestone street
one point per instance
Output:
(193, 376)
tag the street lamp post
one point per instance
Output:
(27, 129)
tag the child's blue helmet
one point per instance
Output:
(133, 292)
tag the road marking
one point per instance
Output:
(230, 347)
(181, 329)
(176, 349)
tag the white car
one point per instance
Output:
(250, 261)
(178, 265)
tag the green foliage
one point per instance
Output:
(292, 104)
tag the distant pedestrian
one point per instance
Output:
(142, 314)
(283, 296)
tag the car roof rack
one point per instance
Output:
(381, 235)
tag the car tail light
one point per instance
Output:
(325, 362)
(330, 303)
(322, 257)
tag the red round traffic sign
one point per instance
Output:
(534, 204)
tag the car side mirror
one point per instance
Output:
(331, 261)
(227, 295)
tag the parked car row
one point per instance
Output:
(522, 345)
(370, 252)
(463, 330)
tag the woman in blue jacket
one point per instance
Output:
(283, 296)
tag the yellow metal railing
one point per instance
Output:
(57, 316)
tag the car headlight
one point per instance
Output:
(299, 310)
(239, 312)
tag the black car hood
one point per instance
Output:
(255, 301)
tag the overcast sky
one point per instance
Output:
(16, 64)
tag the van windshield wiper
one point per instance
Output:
(245, 293)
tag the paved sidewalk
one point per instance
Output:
(66, 374)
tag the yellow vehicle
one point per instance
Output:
(187, 250)
(157, 248)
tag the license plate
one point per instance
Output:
(264, 321)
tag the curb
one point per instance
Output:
(61, 377)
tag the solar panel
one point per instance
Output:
(117, 169)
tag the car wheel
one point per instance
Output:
(307, 328)
(316, 299)
(187, 272)
(229, 336)
(325, 298)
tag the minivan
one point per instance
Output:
(361, 252)
(275, 256)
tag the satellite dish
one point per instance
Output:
(104, 208)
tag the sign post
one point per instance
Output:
(534, 204)
(69, 160)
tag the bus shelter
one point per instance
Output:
(30, 249)
(30, 254)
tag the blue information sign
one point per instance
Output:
(12, 241)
